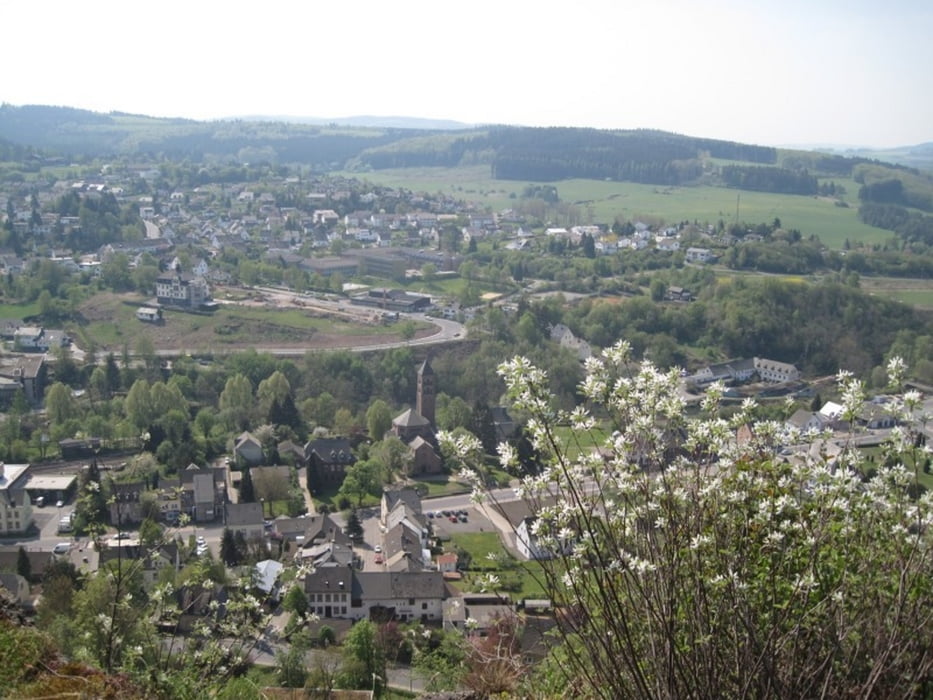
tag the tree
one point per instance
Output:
(23, 565)
(363, 659)
(378, 419)
(270, 485)
(60, 405)
(236, 402)
(229, 552)
(247, 492)
(290, 669)
(150, 532)
(138, 405)
(296, 601)
(360, 481)
(354, 526)
(272, 390)
(694, 564)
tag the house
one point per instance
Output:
(15, 505)
(245, 519)
(325, 217)
(566, 339)
(343, 592)
(446, 563)
(151, 560)
(774, 371)
(310, 530)
(248, 449)
(149, 315)
(476, 613)
(16, 586)
(528, 543)
(405, 545)
(325, 554)
(806, 421)
(28, 338)
(23, 373)
(395, 498)
(699, 255)
(182, 290)
(203, 492)
(328, 459)
(125, 504)
(266, 575)
(39, 560)
(875, 416)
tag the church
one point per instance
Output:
(416, 426)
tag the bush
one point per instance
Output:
(694, 564)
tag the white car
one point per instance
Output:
(62, 548)
(201, 541)
(377, 549)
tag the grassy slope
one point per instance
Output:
(607, 200)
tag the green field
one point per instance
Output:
(604, 201)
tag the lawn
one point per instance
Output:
(443, 486)
(18, 311)
(603, 201)
(520, 579)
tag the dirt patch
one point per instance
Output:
(206, 333)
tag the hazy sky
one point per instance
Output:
(856, 72)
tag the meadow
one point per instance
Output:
(602, 202)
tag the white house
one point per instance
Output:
(15, 505)
(701, 255)
(343, 592)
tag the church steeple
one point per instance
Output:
(427, 391)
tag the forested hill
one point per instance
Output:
(514, 153)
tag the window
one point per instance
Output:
(424, 606)
(411, 601)
(327, 598)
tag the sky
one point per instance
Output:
(773, 72)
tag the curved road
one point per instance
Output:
(448, 331)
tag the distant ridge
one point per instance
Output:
(382, 122)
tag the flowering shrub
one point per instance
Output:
(691, 562)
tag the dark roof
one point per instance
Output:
(404, 584)
(330, 450)
(38, 560)
(406, 495)
(410, 419)
(244, 514)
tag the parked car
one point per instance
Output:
(62, 548)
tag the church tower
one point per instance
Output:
(427, 392)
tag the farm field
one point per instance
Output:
(916, 293)
(602, 201)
